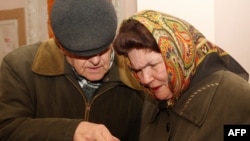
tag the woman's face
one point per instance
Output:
(151, 70)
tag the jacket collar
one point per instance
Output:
(195, 103)
(203, 86)
(49, 59)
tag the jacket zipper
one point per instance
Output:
(87, 104)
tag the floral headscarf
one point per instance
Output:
(182, 46)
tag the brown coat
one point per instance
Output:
(40, 99)
(202, 111)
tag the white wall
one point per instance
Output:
(224, 22)
(124, 8)
(200, 13)
(232, 28)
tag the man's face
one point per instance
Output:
(92, 68)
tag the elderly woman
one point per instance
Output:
(197, 87)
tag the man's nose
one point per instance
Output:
(95, 59)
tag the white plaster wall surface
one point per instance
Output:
(200, 13)
(232, 28)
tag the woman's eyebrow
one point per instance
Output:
(131, 68)
(134, 69)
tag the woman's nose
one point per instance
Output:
(146, 77)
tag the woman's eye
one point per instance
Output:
(154, 66)
(136, 71)
(133, 70)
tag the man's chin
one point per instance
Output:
(95, 77)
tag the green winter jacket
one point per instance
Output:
(40, 99)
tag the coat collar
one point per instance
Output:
(49, 59)
(195, 103)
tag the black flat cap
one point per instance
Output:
(84, 27)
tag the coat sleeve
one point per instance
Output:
(17, 111)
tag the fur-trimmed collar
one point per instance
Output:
(48, 60)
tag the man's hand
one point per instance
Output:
(87, 131)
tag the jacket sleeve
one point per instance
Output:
(17, 112)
